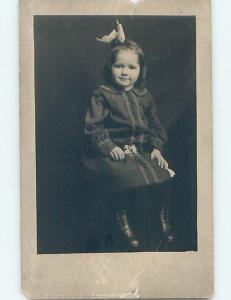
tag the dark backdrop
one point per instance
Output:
(68, 65)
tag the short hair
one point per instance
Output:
(126, 45)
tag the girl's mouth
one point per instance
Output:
(123, 78)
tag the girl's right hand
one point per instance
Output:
(117, 154)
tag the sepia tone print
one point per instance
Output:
(116, 149)
(87, 107)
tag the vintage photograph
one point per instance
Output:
(116, 133)
(116, 149)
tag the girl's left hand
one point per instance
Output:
(161, 161)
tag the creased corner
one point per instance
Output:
(131, 294)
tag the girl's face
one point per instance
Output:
(126, 69)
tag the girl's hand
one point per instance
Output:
(161, 161)
(117, 154)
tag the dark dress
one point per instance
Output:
(126, 119)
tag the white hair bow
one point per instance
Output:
(116, 34)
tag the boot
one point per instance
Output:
(165, 224)
(121, 217)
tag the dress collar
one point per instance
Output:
(117, 90)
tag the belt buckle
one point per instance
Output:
(130, 150)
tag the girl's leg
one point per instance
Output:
(163, 195)
(121, 203)
(165, 222)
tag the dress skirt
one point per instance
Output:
(137, 170)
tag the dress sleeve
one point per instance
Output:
(94, 124)
(157, 131)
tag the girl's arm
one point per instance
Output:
(158, 133)
(94, 125)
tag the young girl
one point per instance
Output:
(126, 137)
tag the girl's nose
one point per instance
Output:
(124, 71)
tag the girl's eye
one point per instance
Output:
(118, 66)
(132, 67)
